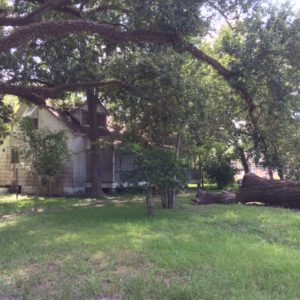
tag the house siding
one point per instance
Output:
(66, 183)
(25, 179)
(76, 174)
(6, 173)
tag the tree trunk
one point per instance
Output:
(224, 197)
(272, 192)
(172, 191)
(174, 198)
(150, 203)
(243, 160)
(270, 171)
(164, 198)
(37, 193)
(280, 174)
(168, 198)
(171, 198)
(96, 186)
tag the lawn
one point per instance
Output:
(83, 249)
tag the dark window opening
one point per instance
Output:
(14, 156)
(101, 121)
(84, 118)
(35, 123)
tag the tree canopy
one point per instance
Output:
(29, 27)
(162, 75)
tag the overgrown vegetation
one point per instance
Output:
(162, 76)
(6, 113)
(88, 249)
(44, 153)
(160, 170)
(217, 165)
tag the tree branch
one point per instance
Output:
(200, 55)
(47, 6)
(59, 29)
(38, 94)
(222, 14)
(33, 16)
(105, 8)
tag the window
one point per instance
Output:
(127, 162)
(14, 156)
(35, 123)
(101, 121)
(84, 118)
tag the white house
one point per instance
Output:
(75, 178)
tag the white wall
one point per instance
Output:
(74, 175)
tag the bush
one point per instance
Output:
(217, 165)
(221, 173)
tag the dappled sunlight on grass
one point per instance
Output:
(193, 252)
(10, 207)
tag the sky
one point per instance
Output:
(295, 3)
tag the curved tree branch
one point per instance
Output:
(105, 8)
(200, 55)
(221, 13)
(39, 94)
(59, 29)
(33, 16)
(228, 76)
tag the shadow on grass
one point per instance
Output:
(25, 204)
(208, 252)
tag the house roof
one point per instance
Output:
(66, 118)
(102, 109)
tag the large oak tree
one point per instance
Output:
(27, 25)
(48, 48)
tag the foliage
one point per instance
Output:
(157, 167)
(53, 57)
(217, 165)
(168, 96)
(6, 113)
(154, 114)
(220, 172)
(45, 152)
(263, 50)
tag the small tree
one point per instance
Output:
(160, 169)
(44, 152)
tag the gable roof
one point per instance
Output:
(101, 108)
(66, 117)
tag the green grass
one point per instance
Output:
(84, 249)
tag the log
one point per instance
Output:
(224, 197)
(271, 192)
